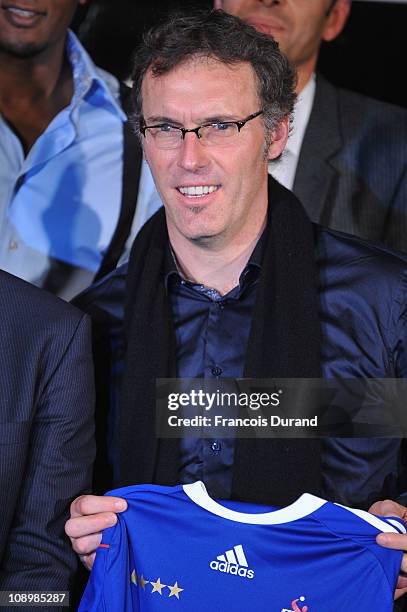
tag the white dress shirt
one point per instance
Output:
(284, 168)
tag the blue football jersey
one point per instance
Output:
(175, 548)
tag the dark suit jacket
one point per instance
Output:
(46, 433)
(352, 170)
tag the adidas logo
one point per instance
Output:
(233, 562)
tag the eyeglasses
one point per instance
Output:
(167, 136)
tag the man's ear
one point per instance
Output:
(335, 22)
(279, 139)
(217, 4)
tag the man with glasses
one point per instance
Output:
(345, 158)
(231, 279)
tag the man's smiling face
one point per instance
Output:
(235, 174)
(28, 27)
(299, 26)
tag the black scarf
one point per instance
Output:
(284, 342)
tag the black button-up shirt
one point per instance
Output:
(212, 332)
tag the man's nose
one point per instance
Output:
(192, 154)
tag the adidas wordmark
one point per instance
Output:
(233, 562)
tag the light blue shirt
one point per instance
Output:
(60, 204)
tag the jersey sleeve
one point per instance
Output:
(109, 585)
(361, 528)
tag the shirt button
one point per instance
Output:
(216, 371)
(13, 245)
(216, 447)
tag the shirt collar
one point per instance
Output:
(85, 73)
(250, 272)
(256, 258)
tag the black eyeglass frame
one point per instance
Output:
(184, 131)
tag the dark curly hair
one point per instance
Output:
(216, 34)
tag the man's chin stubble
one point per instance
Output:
(22, 51)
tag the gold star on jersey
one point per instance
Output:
(143, 582)
(175, 590)
(157, 586)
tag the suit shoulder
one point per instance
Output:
(363, 101)
(25, 302)
(348, 250)
(358, 110)
(362, 111)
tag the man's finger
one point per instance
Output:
(397, 541)
(88, 560)
(96, 504)
(87, 545)
(389, 508)
(88, 525)
(401, 585)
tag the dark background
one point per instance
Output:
(368, 57)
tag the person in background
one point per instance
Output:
(346, 157)
(71, 169)
(231, 280)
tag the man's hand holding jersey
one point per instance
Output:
(90, 514)
(397, 541)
